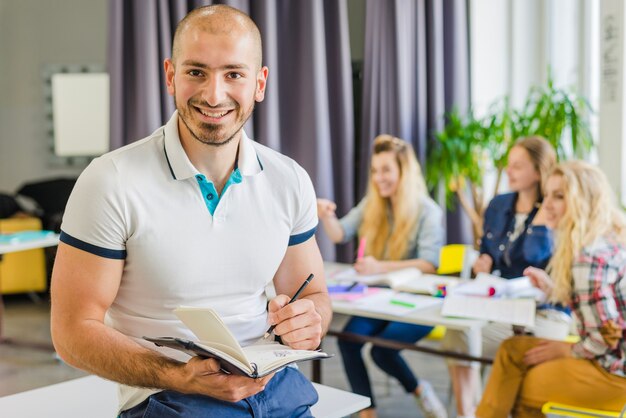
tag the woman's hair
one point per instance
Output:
(542, 155)
(591, 212)
(385, 241)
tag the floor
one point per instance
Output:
(24, 368)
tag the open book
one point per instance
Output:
(410, 280)
(506, 311)
(216, 341)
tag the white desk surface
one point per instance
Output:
(95, 397)
(428, 316)
(48, 241)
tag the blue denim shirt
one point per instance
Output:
(533, 247)
(428, 239)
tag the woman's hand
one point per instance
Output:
(547, 350)
(541, 218)
(369, 265)
(483, 264)
(540, 279)
(326, 208)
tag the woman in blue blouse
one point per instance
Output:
(403, 228)
(515, 236)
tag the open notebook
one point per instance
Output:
(216, 341)
(409, 280)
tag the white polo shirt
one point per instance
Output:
(147, 204)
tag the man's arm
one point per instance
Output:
(83, 288)
(303, 323)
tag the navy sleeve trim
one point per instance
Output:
(300, 238)
(93, 249)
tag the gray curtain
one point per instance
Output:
(308, 110)
(416, 67)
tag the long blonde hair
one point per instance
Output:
(591, 212)
(385, 241)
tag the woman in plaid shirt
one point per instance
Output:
(586, 271)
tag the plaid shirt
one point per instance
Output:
(599, 304)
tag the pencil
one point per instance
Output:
(293, 299)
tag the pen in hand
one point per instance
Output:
(293, 299)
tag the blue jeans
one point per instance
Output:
(288, 394)
(387, 359)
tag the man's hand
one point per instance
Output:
(298, 324)
(368, 265)
(203, 376)
(483, 264)
(547, 350)
(540, 279)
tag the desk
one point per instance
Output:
(428, 316)
(49, 240)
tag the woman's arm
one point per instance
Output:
(326, 213)
(593, 279)
(429, 240)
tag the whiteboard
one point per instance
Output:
(80, 112)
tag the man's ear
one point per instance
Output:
(168, 65)
(261, 83)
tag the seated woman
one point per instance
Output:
(515, 237)
(587, 272)
(403, 228)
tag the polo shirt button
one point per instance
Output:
(501, 247)
(209, 196)
(489, 235)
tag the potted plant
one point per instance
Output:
(461, 153)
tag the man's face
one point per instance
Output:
(215, 82)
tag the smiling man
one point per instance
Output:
(196, 214)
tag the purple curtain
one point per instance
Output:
(416, 67)
(307, 112)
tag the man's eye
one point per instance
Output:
(234, 76)
(195, 73)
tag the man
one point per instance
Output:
(196, 214)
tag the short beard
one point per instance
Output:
(208, 142)
(215, 143)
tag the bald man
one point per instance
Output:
(196, 214)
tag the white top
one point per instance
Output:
(143, 203)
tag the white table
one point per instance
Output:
(428, 316)
(94, 397)
(50, 240)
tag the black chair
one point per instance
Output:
(51, 196)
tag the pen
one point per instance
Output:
(293, 299)
(352, 286)
(361, 252)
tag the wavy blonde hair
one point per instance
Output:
(591, 212)
(385, 241)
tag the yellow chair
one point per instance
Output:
(457, 259)
(23, 271)
(553, 409)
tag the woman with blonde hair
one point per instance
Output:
(402, 227)
(515, 236)
(587, 272)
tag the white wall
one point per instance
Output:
(34, 33)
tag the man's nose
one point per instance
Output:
(214, 91)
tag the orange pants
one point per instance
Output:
(516, 389)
